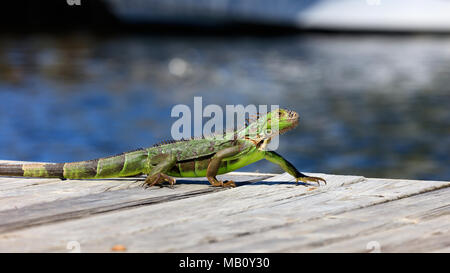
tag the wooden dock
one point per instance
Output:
(264, 213)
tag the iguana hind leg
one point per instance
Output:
(214, 165)
(159, 166)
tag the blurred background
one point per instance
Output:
(370, 78)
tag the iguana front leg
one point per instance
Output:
(289, 168)
(159, 166)
(214, 165)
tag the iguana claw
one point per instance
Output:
(229, 183)
(157, 179)
(307, 179)
(217, 183)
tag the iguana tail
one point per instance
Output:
(125, 164)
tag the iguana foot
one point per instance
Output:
(307, 179)
(158, 178)
(229, 183)
(218, 183)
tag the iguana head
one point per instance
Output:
(273, 123)
(281, 120)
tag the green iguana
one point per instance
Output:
(207, 156)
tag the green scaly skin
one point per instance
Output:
(207, 156)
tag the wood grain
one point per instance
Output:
(265, 213)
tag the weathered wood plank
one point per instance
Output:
(34, 191)
(19, 192)
(159, 216)
(411, 224)
(230, 220)
(12, 183)
(85, 205)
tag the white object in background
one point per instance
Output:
(391, 15)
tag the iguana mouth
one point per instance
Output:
(292, 126)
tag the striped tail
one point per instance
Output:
(33, 170)
(125, 164)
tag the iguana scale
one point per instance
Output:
(198, 157)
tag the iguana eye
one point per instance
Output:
(268, 131)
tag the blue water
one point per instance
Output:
(369, 105)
